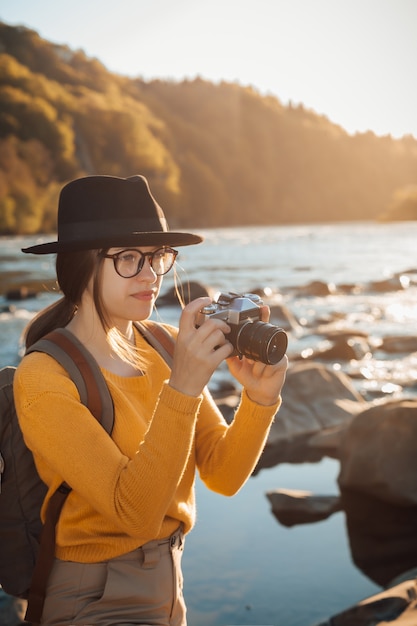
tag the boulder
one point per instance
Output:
(314, 398)
(338, 330)
(342, 349)
(316, 288)
(283, 317)
(398, 344)
(328, 440)
(291, 506)
(21, 293)
(398, 282)
(378, 453)
(396, 606)
(189, 291)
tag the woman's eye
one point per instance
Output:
(127, 258)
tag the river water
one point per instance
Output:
(240, 565)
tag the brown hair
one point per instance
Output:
(74, 271)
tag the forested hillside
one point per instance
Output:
(215, 154)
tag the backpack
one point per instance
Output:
(26, 560)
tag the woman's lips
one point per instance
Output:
(144, 295)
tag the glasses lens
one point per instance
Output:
(162, 260)
(129, 263)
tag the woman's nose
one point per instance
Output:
(147, 271)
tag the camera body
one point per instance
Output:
(249, 336)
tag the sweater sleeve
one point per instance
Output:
(227, 454)
(69, 444)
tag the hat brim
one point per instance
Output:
(166, 238)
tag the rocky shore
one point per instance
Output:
(372, 434)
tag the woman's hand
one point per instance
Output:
(263, 383)
(198, 351)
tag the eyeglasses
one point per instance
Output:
(128, 263)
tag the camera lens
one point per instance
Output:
(261, 341)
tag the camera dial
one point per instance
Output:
(208, 309)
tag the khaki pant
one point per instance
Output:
(141, 587)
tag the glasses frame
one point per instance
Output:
(142, 258)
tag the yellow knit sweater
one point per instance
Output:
(138, 484)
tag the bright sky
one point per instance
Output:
(354, 61)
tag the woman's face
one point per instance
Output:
(129, 299)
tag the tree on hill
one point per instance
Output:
(403, 205)
(215, 154)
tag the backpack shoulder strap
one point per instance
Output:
(6, 402)
(158, 337)
(83, 369)
(6, 376)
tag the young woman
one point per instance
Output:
(120, 533)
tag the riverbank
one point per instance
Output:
(352, 312)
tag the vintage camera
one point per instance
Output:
(249, 336)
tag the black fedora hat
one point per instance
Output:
(97, 212)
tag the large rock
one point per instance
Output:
(399, 343)
(398, 282)
(314, 398)
(189, 291)
(316, 288)
(292, 506)
(282, 316)
(396, 606)
(342, 348)
(378, 453)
